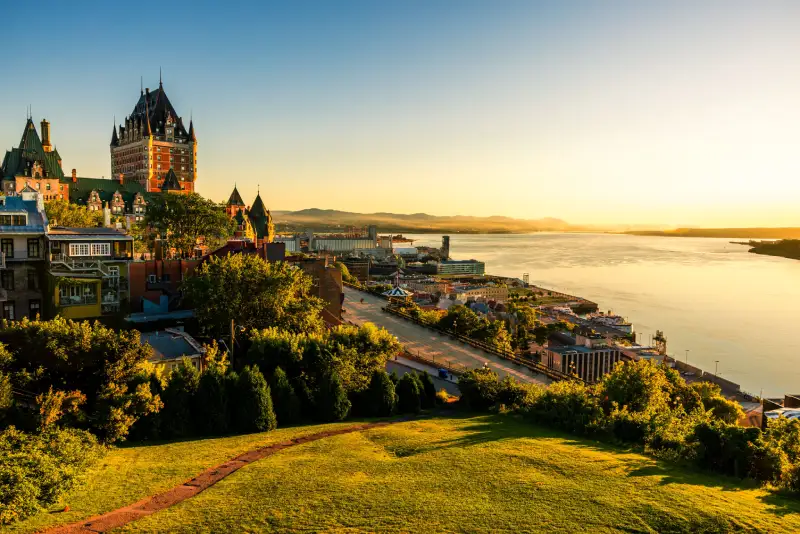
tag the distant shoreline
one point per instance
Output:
(738, 233)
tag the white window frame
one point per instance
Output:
(101, 249)
(79, 249)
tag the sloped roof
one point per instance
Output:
(171, 182)
(152, 111)
(30, 150)
(16, 204)
(80, 189)
(258, 216)
(235, 198)
(397, 292)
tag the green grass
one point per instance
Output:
(130, 473)
(481, 473)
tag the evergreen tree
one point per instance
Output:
(408, 394)
(231, 383)
(211, 403)
(428, 390)
(178, 397)
(394, 378)
(284, 399)
(254, 412)
(380, 395)
(332, 402)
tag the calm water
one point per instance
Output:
(707, 295)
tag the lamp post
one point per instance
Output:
(716, 367)
(687, 357)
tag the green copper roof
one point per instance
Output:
(79, 191)
(171, 182)
(18, 161)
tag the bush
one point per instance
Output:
(442, 396)
(253, 402)
(737, 451)
(380, 395)
(36, 469)
(332, 402)
(479, 388)
(408, 394)
(514, 395)
(569, 405)
(284, 399)
(211, 403)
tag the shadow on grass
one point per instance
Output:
(781, 503)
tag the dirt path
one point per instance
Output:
(206, 479)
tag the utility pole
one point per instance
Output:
(233, 341)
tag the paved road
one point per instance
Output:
(429, 343)
(403, 366)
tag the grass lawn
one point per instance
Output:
(130, 473)
(478, 473)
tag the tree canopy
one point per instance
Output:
(253, 293)
(183, 219)
(62, 213)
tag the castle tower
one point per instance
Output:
(46, 145)
(153, 141)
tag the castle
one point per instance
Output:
(254, 222)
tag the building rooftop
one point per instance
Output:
(65, 233)
(18, 206)
(171, 345)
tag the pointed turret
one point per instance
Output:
(171, 182)
(114, 138)
(191, 131)
(235, 199)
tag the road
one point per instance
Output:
(428, 343)
(402, 366)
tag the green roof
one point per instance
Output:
(79, 191)
(18, 160)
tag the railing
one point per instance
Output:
(506, 355)
(78, 300)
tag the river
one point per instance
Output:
(709, 296)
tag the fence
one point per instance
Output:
(506, 355)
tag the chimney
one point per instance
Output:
(106, 215)
(46, 136)
(74, 176)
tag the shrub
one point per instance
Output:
(631, 427)
(514, 395)
(640, 386)
(479, 388)
(36, 469)
(380, 395)
(253, 412)
(408, 395)
(442, 396)
(332, 402)
(284, 400)
(211, 403)
(569, 405)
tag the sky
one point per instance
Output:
(654, 113)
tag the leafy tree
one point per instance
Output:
(183, 219)
(179, 396)
(102, 364)
(479, 388)
(6, 397)
(284, 400)
(408, 394)
(253, 293)
(346, 276)
(332, 401)
(493, 333)
(381, 395)
(540, 334)
(712, 400)
(211, 403)
(394, 378)
(62, 213)
(254, 411)
(460, 319)
(640, 385)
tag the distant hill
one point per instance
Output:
(332, 220)
(747, 233)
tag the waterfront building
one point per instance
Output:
(90, 271)
(23, 224)
(34, 163)
(153, 141)
(449, 267)
(590, 364)
(487, 292)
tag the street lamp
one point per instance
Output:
(716, 366)
(687, 356)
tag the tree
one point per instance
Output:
(332, 401)
(254, 294)
(284, 400)
(254, 411)
(540, 334)
(381, 395)
(62, 213)
(428, 390)
(408, 394)
(640, 385)
(102, 364)
(210, 404)
(346, 276)
(460, 319)
(183, 219)
(179, 396)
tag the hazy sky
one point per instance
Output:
(595, 112)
